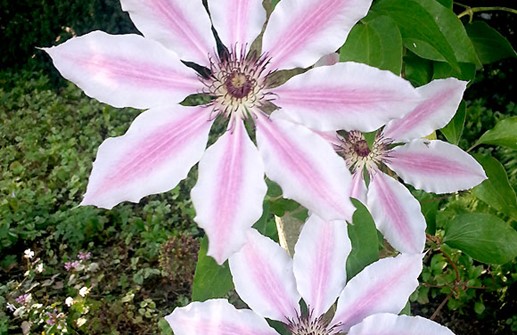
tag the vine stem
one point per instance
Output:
(471, 10)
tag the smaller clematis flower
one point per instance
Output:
(431, 165)
(272, 284)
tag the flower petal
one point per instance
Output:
(181, 26)
(306, 167)
(300, 32)
(229, 192)
(124, 70)
(396, 213)
(358, 190)
(387, 324)
(319, 262)
(263, 277)
(384, 286)
(435, 166)
(216, 317)
(152, 157)
(237, 21)
(441, 99)
(348, 96)
(327, 60)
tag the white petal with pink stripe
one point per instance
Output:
(396, 213)
(349, 96)
(382, 287)
(306, 167)
(217, 317)
(125, 70)
(319, 262)
(301, 32)
(181, 26)
(440, 100)
(263, 277)
(238, 22)
(229, 191)
(435, 166)
(387, 324)
(152, 157)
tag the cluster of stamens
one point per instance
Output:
(359, 155)
(236, 83)
(309, 325)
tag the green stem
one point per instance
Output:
(471, 10)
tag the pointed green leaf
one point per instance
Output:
(417, 70)
(453, 130)
(375, 42)
(483, 237)
(496, 191)
(430, 30)
(266, 224)
(211, 280)
(490, 45)
(364, 238)
(504, 133)
(467, 71)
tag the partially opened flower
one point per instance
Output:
(164, 142)
(430, 165)
(272, 284)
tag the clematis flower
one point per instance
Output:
(431, 165)
(156, 72)
(272, 284)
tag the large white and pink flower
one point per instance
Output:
(272, 284)
(431, 165)
(177, 56)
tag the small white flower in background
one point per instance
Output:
(272, 284)
(84, 291)
(39, 268)
(69, 301)
(28, 254)
(10, 307)
(80, 322)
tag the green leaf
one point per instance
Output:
(453, 130)
(266, 224)
(211, 280)
(417, 70)
(504, 133)
(430, 30)
(364, 238)
(496, 191)
(483, 237)
(376, 42)
(467, 71)
(490, 45)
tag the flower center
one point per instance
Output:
(308, 325)
(237, 84)
(358, 155)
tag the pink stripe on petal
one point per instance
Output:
(319, 262)
(156, 153)
(181, 26)
(349, 96)
(440, 100)
(396, 213)
(386, 324)
(358, 190)
(216, 317)
(229, 193)
(263, 277)
(435, 166)
(238, 22)
(125, 70)
(382, 287)
(306, 167)
(301, 32)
